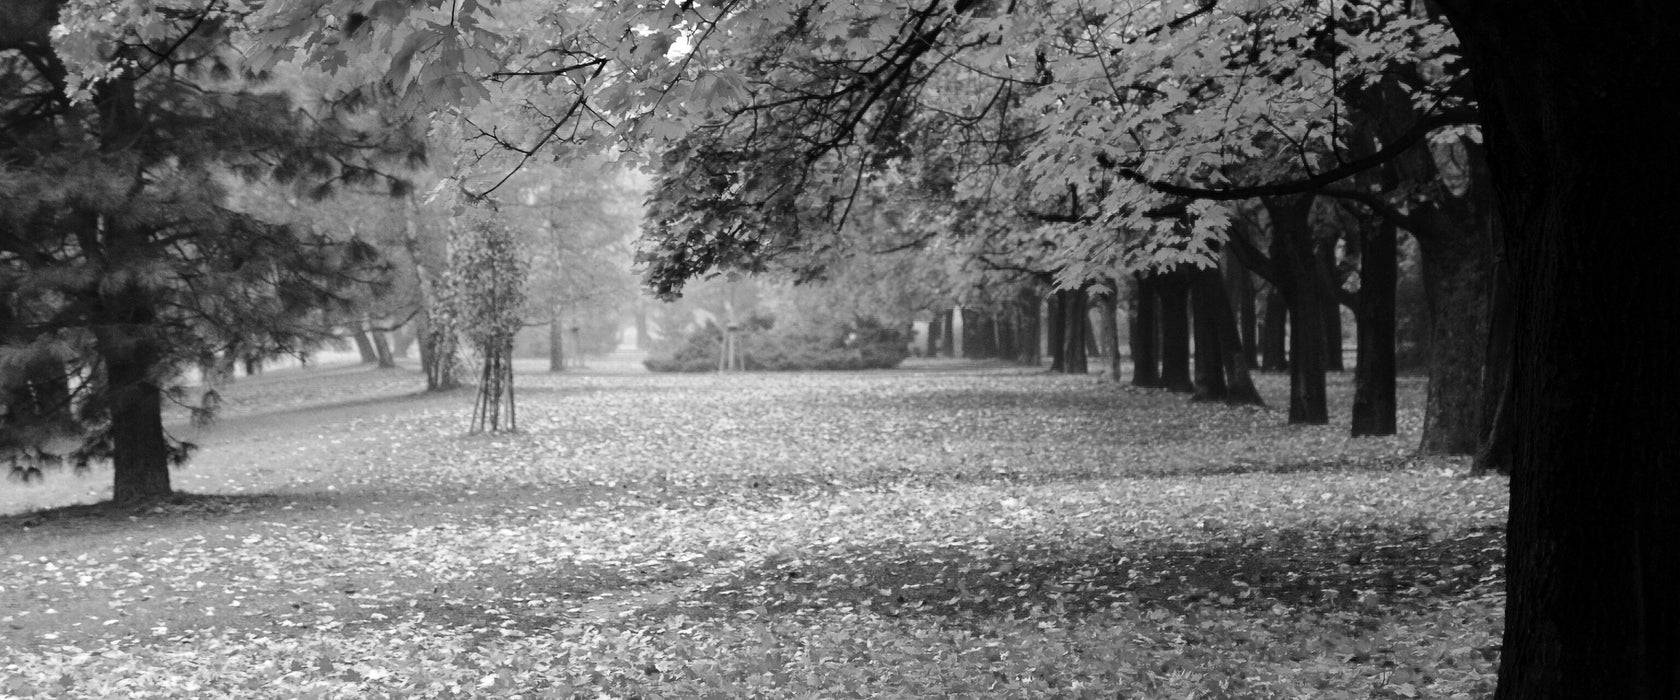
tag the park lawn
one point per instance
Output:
(949, 529)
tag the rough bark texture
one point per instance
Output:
(1146, 365)
(1584, 162)
(1174, 292)
(1296, 270)
(1374, 406)
(1455, 272)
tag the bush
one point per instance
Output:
(862, 344)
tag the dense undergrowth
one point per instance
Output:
(945, 531)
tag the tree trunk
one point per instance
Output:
(1499, 436)
(1210, 367)
(1274, 332)
(1146, 366)
(934, 331)
(556, 344)
(140, 452)
(1239, 383)
(1111, 328)
(950, 338)
(1026, 326)
(1174, 292)
(382, 350)
(1076, 326)
(364, 346)
(1583, 158)
(1326, 254)
(1374, 407)
(1056, 319)
(1292, 256)
(1240, 283)
(1455, 271)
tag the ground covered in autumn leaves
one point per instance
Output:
(942, 530)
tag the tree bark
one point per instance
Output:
(382, 350)
(1325, 251)
(140, 452)
(1455, 271)
(1374, 405)
(364, 346)
(1297, 279)
(1026, 326)
(1076, 326)
(1239, 383)
(556, 344)
(1174, 291)
(1240, 283)
(1210, 367)
(1274, 332)
(1146, 366)
(1583, 159)
(1111, 328)
(950, 337)
(935, 329)
(1056, 319)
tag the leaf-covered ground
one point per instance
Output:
(943, 530)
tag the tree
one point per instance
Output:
(1583, 192)
(487, 270)
(123, 260)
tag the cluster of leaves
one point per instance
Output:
(913, 534)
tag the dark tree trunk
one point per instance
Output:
(1174, 292)
(1210, 367)
(935, 329)
(1239, 383)
(1499, 435)
(140, 452)
(1374, 407)
(1455, 271)
(1274, 332)
(1295, 263)
(1326, 254)
(1056, 319)
(1146, 365)
(1093, 346)
(1076, 326)
(1240, 283)
(364, 347)
(1583, 158)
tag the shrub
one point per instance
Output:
(861, 344)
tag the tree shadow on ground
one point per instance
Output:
(83, 518)
(1401, 566)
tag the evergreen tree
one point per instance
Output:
(121, 259)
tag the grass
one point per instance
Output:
(947, 529)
